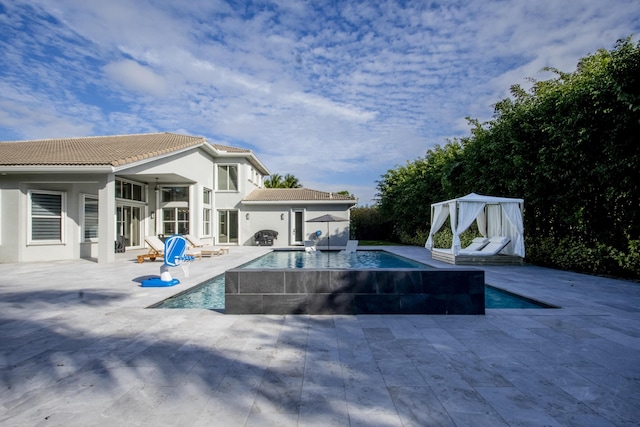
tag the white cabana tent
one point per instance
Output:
(495, 216)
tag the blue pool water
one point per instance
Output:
(322, 259)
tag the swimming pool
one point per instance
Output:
(210, 295)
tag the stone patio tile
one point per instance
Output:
(400, 373)
(366, 398)
(419, 406)
(368, 419)
(323, 406)
(80, 348)
(516, 408)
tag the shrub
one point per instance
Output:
(368, 224)
(586, 257)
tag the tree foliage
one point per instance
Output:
(568, 146)
(368, 224)
(278, 181)
(405, 193)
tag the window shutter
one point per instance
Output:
(46, 216)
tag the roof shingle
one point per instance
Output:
(294, 194)
(230, 149)
(115, 150)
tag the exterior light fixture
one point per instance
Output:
(247, 216)
(281, 217)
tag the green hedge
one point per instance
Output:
(587, 257)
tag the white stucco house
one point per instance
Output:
(72, 198)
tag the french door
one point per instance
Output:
(128, 224)
(227, 226)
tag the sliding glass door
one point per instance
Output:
(227, 226)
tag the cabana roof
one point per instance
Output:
(473, 197)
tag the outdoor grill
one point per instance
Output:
(265, 237)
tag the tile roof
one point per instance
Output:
(294, 194)
(115, 150)
(230, 149)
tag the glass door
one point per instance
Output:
(228, 226)
(128, 224)
(298, 227)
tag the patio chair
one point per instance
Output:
(206, 250)
(495, 245)
(309, 246)
(352, 246)
(156, 250)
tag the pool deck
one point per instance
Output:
(78, 348)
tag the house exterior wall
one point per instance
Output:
(14, 216)
(9, 216)
(281, 218)
(231, 200)
(337, 231)
(193, 168)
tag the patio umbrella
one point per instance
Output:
(328, 218)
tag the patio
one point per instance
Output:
(78, 348)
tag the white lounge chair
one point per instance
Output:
(495, 245)
(352, 246)
(477, 244)
(309, 246)
(156, 250)
(207, 250)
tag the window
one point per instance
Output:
(206, 212)
(90, 218)
(129, 191)
(206, 222)
(46, 212)
(175, 210)
(175, 194)
(206, 196)
(227, 178)
(175, 221)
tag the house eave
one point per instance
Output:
(5, 170)
(159, 157)
(299, 202)
(252, 158)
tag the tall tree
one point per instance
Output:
(274, 181)
(278, 181)
(291, 181)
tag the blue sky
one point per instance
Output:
(335, 93)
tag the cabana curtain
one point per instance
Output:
(468, 212)
(514, 216)
(440, 215)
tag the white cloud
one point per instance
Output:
(334, 93)
(38, 120)
(136, 77)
